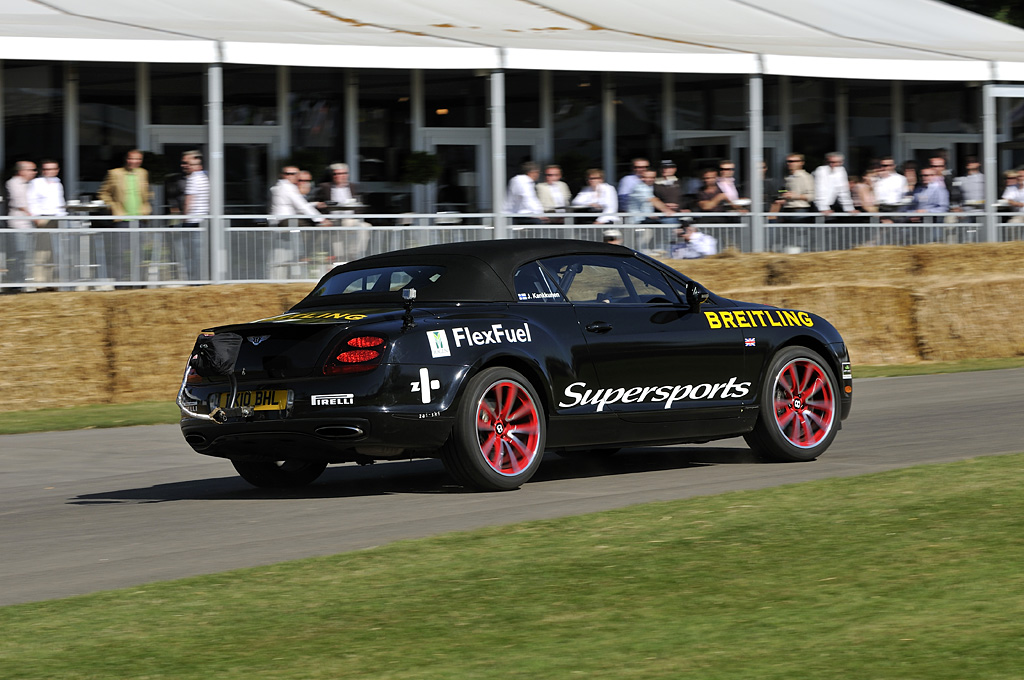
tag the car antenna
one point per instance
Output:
(408, 296)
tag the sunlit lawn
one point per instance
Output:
(913, 574)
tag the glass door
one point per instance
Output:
(250, 162)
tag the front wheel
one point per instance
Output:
(497, 441)
(799, 414)
(279, 474)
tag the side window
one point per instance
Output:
(534, 285)
(609, 280)
(650, 285)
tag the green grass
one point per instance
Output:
(910, 575)
(931, 367)
(160, 412)
(89, 417)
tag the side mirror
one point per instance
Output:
(696, 295)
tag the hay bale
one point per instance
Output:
(728, 270)
(884, 265)
(948, 263)
(876, 321)
(154, 330)
(56, 350)
(972, 319)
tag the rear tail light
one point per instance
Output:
(356, 355)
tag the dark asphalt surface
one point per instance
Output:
(98, 509)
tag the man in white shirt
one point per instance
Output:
(286, 201)
(46, 194)
(22, 246)
(598, 197)
(890, 186)
(522, 196)
(46, 199)
(197, 191)
(832, 186)
(197, 205)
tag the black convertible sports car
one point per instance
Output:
(487, 354)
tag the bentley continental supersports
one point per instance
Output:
(487, 354)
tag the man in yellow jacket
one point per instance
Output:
(126, 190)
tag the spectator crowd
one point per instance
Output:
(536, 196)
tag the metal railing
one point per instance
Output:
(82, 252)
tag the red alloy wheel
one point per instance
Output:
(805, 406)
(508, 427)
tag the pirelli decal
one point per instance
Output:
(758, 318)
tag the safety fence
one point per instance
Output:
(82, 252)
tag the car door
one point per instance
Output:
(655, 356)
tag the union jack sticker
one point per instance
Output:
(750, 342)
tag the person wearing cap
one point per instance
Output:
(692, 243)
(613, 236)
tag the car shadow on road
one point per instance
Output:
(423, 477)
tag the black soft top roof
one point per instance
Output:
(476, 271)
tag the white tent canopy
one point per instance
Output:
(872, 39)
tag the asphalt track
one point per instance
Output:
(99, 509)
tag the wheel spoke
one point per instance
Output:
(507, 400)
(816, 419)
(518, 455)
(785, 418)
(804, 434)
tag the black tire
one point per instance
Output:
(279, 474)
(799, 414)
(497, 441)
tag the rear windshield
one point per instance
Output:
(378, 281)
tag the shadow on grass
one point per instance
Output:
(423, 477)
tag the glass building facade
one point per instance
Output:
(87, 115)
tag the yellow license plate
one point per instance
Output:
(260, 400)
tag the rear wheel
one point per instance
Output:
(279, 474)
(799, 414)
(497, 441)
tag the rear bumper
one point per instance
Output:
(335, 440)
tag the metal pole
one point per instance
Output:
(142, 107)
(608, 130)
(215, 129)
(497, 123)
(70, 162)
(284, 112)
(756, 121)
(352, 124)
(988, 123)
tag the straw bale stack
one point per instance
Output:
(956, 264)
(727, 270)
(152, 331)
(860, 265)
(979, 318)
(876, 321)
(892, 305)
(55, 350)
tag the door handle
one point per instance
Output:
(599, 327)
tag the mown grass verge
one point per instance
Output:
(165, 412)
(912, 574)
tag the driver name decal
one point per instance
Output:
(495, 335)
(758, 318)
(577, 395)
